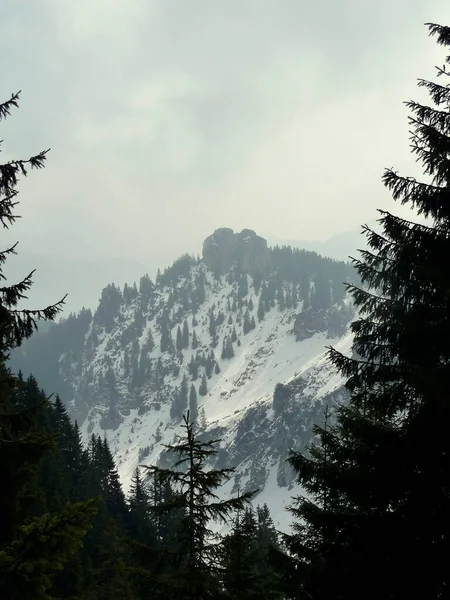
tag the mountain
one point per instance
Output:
(340, 246)
(240, 335)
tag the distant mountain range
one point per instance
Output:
(340, 247)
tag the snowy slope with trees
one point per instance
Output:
(239, 337)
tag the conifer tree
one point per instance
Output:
(212, 325)
(166, 342)
(165, 524)
(170, 303)
(146, 286)
(145, 367)
(200, 288)
(180, 400)
(248, 573)
(378, 482)
(203, 422)
(197, 575)
(247, 325)
(227, 348)
(139, 502)
(193, 408)
(109, 478)
(267, 534)
(261, 310)
(185, 336)
(32, 547)
(74, 457)
(179, 339)
(240, 576)
(194, 344)
(210, 362)
(203, 389)
(150, 342)
(193, 367)
(280, 297)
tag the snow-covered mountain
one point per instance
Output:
(242, 333)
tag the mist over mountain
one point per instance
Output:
(341, 246)
(238, 336)
(82, 279)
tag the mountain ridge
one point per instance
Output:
(251, 346)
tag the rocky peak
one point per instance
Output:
(246, 249)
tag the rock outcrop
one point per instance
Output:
(247, 250)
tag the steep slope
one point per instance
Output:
(240, 336)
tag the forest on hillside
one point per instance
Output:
(371, 520)
(143, 336)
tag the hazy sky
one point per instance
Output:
(170, 118)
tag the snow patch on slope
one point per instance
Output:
(239, 404)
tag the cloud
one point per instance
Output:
(168, 119)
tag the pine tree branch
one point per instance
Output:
(441, 31)
(375, 239)
(340, 360)
(40, 313)
(432, 149)
(4, 257)
(10, 170)
(439, 94)
(389, 217)
(428, 199)
(7, 206)
(352, 288)
(438, 119)
(11, 294)
(5, 107)
(21, 323)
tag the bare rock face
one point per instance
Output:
(252, 252)
(219, 250)
(224, 248)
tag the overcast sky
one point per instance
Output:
(167, 119)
